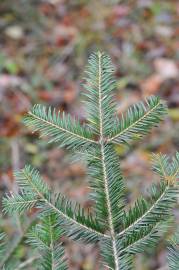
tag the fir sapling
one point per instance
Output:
(118, 232)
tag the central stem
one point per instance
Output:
(110, 222)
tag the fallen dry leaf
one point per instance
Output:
(166, 68)
(151, 85)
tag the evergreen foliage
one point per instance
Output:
(9, 246)
(173, 253)
(120, 233)
(45, 238)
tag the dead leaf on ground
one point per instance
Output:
(166, 68)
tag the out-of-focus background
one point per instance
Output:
(44, 46)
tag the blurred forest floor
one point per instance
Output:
(44, 46)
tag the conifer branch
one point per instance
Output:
(11, 246)
(26, 263)
(28, 175)
(146, 214)
(45, 238)
(165, 191)
(173, 252)
(147, 238)
(19, 202)
(138, 120)
(59, 127)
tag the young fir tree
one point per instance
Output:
(120, 233)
